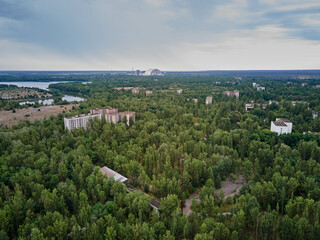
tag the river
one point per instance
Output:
(44, 86)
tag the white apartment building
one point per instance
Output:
(209, 100)
(111, 115)
(179, 91)
(281, 126)
(79, 121)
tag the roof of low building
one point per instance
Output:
(283, 120)
(279, 123)
(110, 173)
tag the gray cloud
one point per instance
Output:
(123, 32)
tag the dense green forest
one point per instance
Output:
(51, 186)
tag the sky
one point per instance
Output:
(172, 35)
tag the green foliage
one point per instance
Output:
(51, 186)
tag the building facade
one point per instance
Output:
(110, 114)
(281, 126)
(179, 91)
(135, 90)
(148, 92)
(232, 93)
(209, 100)
(79, 121)
(261, 88)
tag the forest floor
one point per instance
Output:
(230, 188)
(8, 118)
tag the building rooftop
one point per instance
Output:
(279, 123)
(83, 115)
(283, 120)
(110, 173)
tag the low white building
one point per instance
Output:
(148, 92)
(112, 174)
(195, 100)
(315, 114)
(209, 100)
(261, 88)
(179, 91)
(281, 126)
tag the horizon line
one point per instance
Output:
(224, 70)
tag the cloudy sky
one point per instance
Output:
(164, 34)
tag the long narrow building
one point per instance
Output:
(111, 115)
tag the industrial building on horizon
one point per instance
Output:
(149, 72)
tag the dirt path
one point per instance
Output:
(8, 118)
(230, 188)
(187, 205)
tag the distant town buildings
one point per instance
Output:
(179, 91)
(123, 88)
(275, 102)
(112, 174)
(317, 86)
(209, 100)
(232, 93)
(294, 103)
(148, 92)
(135, 90)
(258, 87)
(315, 115)
(304, 84)
(111, 115)
(281, 126)
(251, 106)
(195, 100)
(261, 88)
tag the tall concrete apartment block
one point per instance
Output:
(209, 100)
(79, 121)
(111, 115)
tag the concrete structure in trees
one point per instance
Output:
(110, 114)
(79, 121)
(281, 126)
(110, 173)
(232, 93)
(179, 91)
(209, 100)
